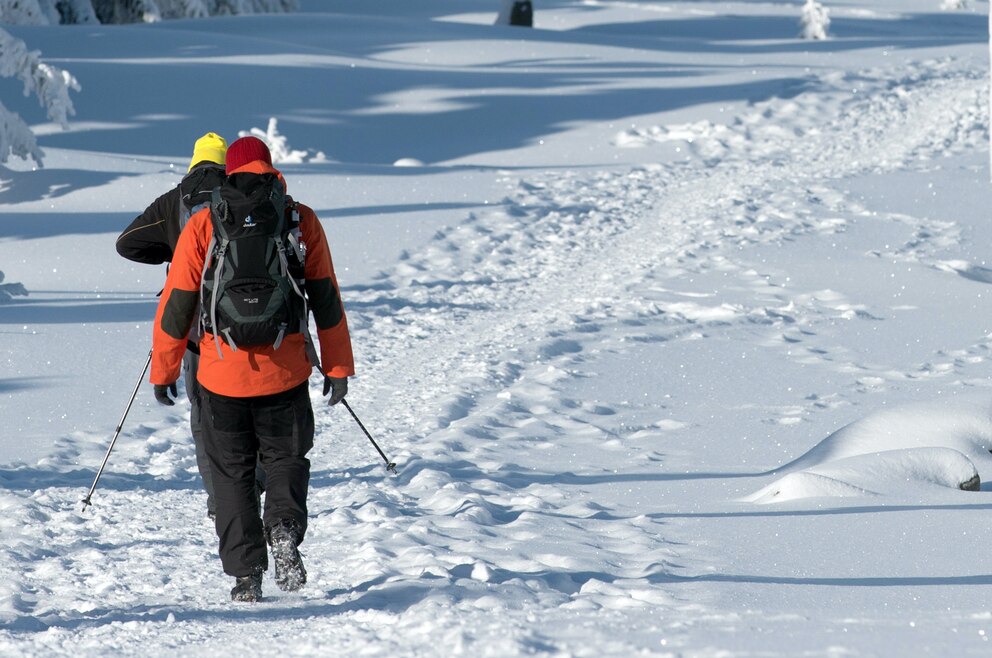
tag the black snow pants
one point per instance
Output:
(278, 429)
(191, 362)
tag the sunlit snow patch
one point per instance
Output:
(942, 443)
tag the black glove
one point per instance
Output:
(338, 387)
(162, 395)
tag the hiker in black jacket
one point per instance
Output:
(151, 238)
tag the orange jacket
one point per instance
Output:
(249, 371)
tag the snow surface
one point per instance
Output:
(609, 279)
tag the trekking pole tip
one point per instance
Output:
(391, 466)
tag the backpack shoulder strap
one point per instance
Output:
(294, 238)
(184, 212)
(220, 212)
(216, 254)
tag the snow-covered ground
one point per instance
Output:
(678, 329)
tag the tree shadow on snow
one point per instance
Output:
(833, 511)
(13, 384)
(30, 478)
(22, 226)
(394, 209)
(571, 582)
(867, 581)
(47, 183)
(520, 477)
(75, 311)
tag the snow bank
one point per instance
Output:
(880, 473)
(892, 451)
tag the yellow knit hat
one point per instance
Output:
(211, 148)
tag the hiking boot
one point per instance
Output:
(283, 539)
(248, 589)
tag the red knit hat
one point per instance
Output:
(245, 150)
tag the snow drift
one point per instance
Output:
(892, 451)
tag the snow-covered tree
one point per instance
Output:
(252, 6)
(127, 11)
(16, 138)
(45, 12)
(75, 12)
(279, 146)
(136, 11)
(184, 8)
(24, 12)
(50, 84)
(814, 21)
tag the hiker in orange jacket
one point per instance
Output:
(255, 398)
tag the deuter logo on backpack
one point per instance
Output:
(252, 284)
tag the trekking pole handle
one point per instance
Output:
(117, 433)
(390, 465)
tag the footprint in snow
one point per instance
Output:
(967, 270)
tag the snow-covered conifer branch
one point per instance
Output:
(16, 138)
(23, 12)
(278, 145)
(50, 84)
(814, 21)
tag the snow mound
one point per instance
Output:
(944, 443)
(964, 424)
(887, 472)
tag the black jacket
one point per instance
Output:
(151, 237)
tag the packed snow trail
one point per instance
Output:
(493, 539)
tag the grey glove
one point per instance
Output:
(337, 386)
(162, 393)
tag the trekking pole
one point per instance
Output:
(86, 501)
(390, 466)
